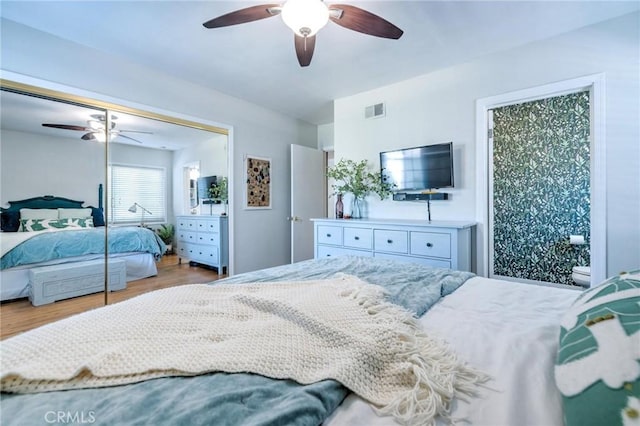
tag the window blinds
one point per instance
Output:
(136, 184)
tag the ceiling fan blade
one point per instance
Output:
(304, 49)
(88, 137)
(135, 131)
(249, 14)
(360, 20)
(120, 135)
(67, 127)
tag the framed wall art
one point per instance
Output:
(257, 192)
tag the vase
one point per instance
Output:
(357, 208)
(339, 207)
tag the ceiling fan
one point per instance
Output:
(307, 17)
(95, 129)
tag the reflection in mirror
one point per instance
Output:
(53, 168)
(144, 174)
(190, 178)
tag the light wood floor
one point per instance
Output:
(20, 315)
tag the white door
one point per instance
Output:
(307, 198)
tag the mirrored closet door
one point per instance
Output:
(111, 176)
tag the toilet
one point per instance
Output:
(581, 275)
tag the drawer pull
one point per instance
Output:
(328, 235)
(429, 245)
(356, 238)
(389, 241)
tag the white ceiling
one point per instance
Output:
(257, 62)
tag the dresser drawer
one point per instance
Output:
(187, 236)
(187, 250)
(206, 254)
(207, 225)
(431, 244)
(208, 238)
(358, 238)
(186, 224)
(390, 241)
(327, 251)
(329, 235)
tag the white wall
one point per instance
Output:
(440, 107)
(261, 237)
(325, 137)
(32, 165)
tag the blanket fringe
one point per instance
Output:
(437, 373)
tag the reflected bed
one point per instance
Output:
(33, 238)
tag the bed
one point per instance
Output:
(513, 335)
(64, 231)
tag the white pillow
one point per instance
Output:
(38, 214)
(73, 213)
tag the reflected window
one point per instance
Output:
(137, 191)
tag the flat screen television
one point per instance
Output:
(204, 183)
(419, 168)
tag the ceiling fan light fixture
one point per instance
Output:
(100, 136)
(95, 124)
(305, 17)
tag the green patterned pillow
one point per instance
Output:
(598, 365)
(32, 225)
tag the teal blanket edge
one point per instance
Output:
(48, 246)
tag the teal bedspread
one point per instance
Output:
(59, 245)
(236, 399)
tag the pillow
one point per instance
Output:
(85, 222)
(38, 214)
(10, 221)
(598, 365)
(33, 225)
(73, 213)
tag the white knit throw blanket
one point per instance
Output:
(340, 329)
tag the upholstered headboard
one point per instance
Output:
(10, 216)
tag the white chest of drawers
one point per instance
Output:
(444, 244)
(204, 239)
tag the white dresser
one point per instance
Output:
(204, 239)
(443, 244)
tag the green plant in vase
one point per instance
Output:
(165, 232)
(220, 192)
(357, 179)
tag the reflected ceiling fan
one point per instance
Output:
(307, 17)
(95, 129)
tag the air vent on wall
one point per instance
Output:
(374, 111)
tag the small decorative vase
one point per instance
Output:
(339, 207)
(357, 208)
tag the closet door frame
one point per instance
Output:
(595, 85)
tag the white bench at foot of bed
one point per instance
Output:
(48, 284)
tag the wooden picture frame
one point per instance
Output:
(257, 182)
